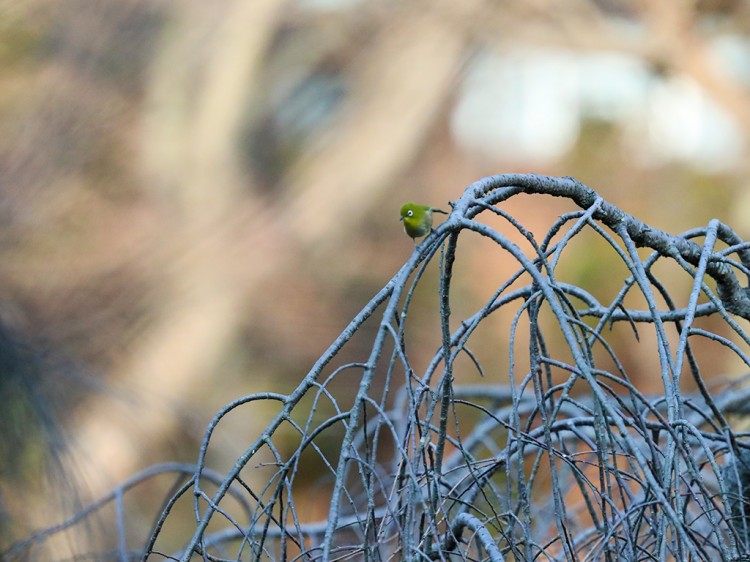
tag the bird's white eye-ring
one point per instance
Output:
(410, 213)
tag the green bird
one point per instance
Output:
(418, 219)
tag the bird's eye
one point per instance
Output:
(410, 213)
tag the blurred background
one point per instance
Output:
(196, 197)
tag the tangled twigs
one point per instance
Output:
(557, 455)
(735, 298)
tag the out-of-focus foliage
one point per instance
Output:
(195, 197)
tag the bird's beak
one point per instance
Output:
(402, 218)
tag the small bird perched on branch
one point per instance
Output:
(418, 219)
